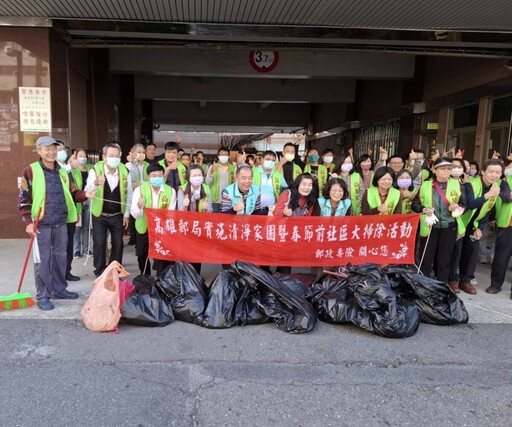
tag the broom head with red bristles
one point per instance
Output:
(16, 301)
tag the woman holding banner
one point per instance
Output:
(195, 196)
(297, 200)
(382, 198)
(334, 201)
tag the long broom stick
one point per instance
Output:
(21, 300)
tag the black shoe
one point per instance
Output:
(72, 278)
(65, 294)
(131, 242)
(45, 304)
(492, 290)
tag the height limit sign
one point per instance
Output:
(263, 61)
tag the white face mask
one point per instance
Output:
(268, 164)
(328, 159)
(82, 161)
(289, 157)
(223, 159)
(508, 172)
(457, 172)
(113, 162)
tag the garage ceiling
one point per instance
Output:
(421, 15)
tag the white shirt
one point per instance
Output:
(137, 212)
(113, 182)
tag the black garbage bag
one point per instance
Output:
(333, 300)
(187, 291)
(366, 299)
(384, 312)
(297, 283)
(147, 305)
(436, 302)
(290, 311)
(231, 303)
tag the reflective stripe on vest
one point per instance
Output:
(391, 201)
(97, 202)
(164, 199)
(39, 192)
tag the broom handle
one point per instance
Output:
(29, 250)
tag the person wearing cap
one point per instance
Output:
(443, 198)
(154, 194)
(111, 207)
(48, 195)
(270, 182)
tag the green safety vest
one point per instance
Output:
(355, 193)
(39, 192)
(144, 173)
(164, 199)
(321, 177)
(202, 202)
(182, 170)
(453, 192)
(77, 176)
(392, 199)
(216, 191)
(407, 203)
(486, 207)
(97, 202)
(504, 210)
(276, 179)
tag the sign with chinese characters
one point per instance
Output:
(289, 241)
(35, 109)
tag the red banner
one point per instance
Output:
(287, 241)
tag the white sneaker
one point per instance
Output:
(473, 282)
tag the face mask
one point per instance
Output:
(328, 159)
(139, 157)
(196, 181)
(82, 161)
(508, 172)
(269, 164)
(404, 182)
(313, 158)
(113, 162)
(365, 167)
(156, 181)
(223, 159)
(62, 156)
(457, 172)
(472, 172)
(289, 157)
(347, 167)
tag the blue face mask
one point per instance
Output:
(313, 158)
(62, 156)
(157, 181)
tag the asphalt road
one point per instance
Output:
(57, 373)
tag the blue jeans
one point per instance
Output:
(81, 240)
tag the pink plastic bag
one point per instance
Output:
(125, 290)
(102, 310)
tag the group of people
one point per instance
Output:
(456, 205)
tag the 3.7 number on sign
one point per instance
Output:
(263, 61)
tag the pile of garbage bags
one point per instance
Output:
(389, 302)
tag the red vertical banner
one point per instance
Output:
(292, 241)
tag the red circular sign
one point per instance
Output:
(263, 61)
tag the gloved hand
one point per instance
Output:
(431, 220)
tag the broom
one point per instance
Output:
(21, 300)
